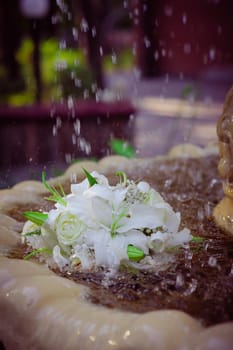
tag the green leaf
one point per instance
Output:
(37, 251)
(32, 233)
(36, 217)
(197, 239)
(92, 181)
(134, 253)
(123, 177)
(123, 148)
(56, 196)
(187, 91)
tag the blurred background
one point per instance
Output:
(87, 78)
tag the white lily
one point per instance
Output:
(100, 222)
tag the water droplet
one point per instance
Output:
(69, 16)
(179, 280)
(134, 49)
(187, 48)
(74, 140)
(73, 178)
(137, 73)
(219, 30)
(86, 94)
(62, 5)
(168, 10)
(73, 75)
(136, 11)
(208, 209)
(101, 51)
(93, 32)
(114, 58)
(77, 127)
(184, 18)
(213, 183)
(212, 261)
(147, 42)
(84, 145)
(54, 130)
(163, 52)
(200, 214)
(58, 122)
(156, 55)
(75, 33)
(68, 158)
(172, 34)
(77, 82)
(56, 19)
(212, 54)
(60, 65)
(205, 59)
(62, 44)
(191, 288)
(170, 53)
(84, 25)
(93, 87)
(70, 102)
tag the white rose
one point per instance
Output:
(69, 229)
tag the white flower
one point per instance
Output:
(100, 222)
(59, 259)
(34, 240)
(69, 229)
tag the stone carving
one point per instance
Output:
(223, 212)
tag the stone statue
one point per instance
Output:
(223, 212)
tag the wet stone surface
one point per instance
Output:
(200, 281)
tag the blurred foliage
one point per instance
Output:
(64, 72)
(122, 60)
(122, 148)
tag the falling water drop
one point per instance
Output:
(114, 58)
(55, 19)
(184, 18)
(86, 94)
(212, 53)
(68, 158)
(163, 52)
(125, 4)
(62, 45)
(168, 10)
(93, 32)
(70, 102)
(75, 33)
(156, 55)
(62, 5)
(179, 280)
(147, 42)
(77, 82)
(219, 30)
(187, 48)
(212, 261)
(74, 140)
(144, 7)
(77, 127)
(84, 25)
(101, 51)
(136, 11)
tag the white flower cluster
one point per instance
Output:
(100, 222)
